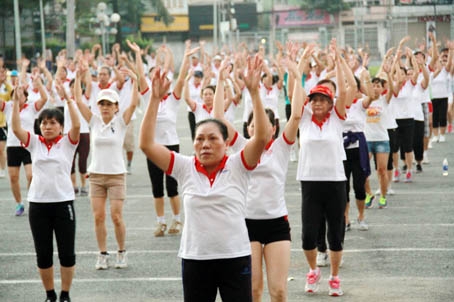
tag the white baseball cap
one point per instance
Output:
(107, 95)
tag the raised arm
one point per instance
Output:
(83, 108)
(341, 87)
(74, 132)
(39, 104)
(184, 69)
(218, 104)
(127, 114)
(299, 96)
(143, 85)
(18, 131)
(157, 153)
(254, 147)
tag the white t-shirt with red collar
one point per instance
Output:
(166, 122)
(51, 165)
(403, 105)
(266, 193)
(214, 206)
(201, 112)
(376, 120)
(106, 141)
(27, 117)
(321, 148)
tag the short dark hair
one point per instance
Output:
(268, 112)
(378, 80)
(221, 126)
(327, 81)
(50, 113)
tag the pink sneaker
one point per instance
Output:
(334, 287)
(312, 281)
(396, 175)
(408, 177)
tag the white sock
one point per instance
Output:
(177, 217)
(161, 219)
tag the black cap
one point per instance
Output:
(198, 74)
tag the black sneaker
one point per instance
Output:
(404, 168)
(418, 168)
(51, 299)
(66, 299)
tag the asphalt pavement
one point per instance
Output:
(406, 255)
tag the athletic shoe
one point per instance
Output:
(83, 191)
(312, 281)
(348, 227)
(65, 299)
(160, 229)
(20, 209)
(334, 287)
(2, 173)
(382, 203)
(175, 227)
(122, 260)
(102, 262)
(51, 299)
(408, 177)
(425, 160)
(434, 139)
(369, 200)
(449, 128)
(442, 139)
(362, 225)
(322, 259)
(396, 175)
(390, 191)
(429, 145)
(418, 168)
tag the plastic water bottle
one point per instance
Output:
(445, 167)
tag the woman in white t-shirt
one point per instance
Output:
(51, 193)
(214, 248)
(266, 210)
(107, 168)
(322, 176)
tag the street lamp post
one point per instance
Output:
(106, 22)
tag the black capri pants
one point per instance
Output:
(440, 111)
(157, 178)
(323, 199)
(418, 140)
(405, 130)
(203, 278)
(46, 219)
(352, 167)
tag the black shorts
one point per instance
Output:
(268, 230)
(3, 133)
(17, 155)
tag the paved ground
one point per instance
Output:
(407, 254)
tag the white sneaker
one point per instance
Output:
(322, 259)
(390, 191)
(102, 262)
(442, 139)
(377, 192)
(122, 260)
(362, 225)
(175, 227)
(434, 139)
(430, 144)
(425, 160)
(2, 173)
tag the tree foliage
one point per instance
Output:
(331, 6)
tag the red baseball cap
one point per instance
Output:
(320, 89)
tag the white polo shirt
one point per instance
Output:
(420, 96)
(27, 118)
(201, 112)
(51, 165)
(83, 123)
(403, 104)
(266, 193)
(166, 122)
(321, 148)
(214, 207)
(440, 84)
(106, 141)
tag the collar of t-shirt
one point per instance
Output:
(50, 143)
(211, 176)
(320, 123)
